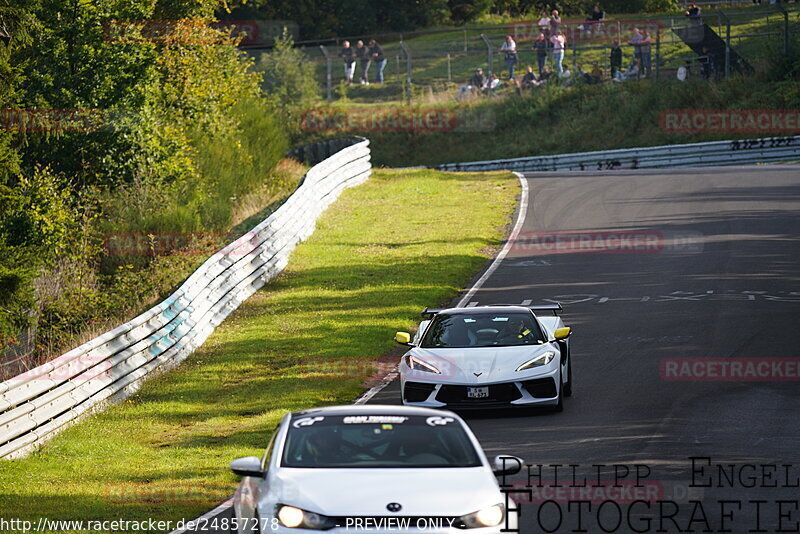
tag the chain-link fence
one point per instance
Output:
(432, 65)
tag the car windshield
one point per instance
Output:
(482, 330)
(371, 441)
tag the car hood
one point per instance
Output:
(366, 492)
(478, 365)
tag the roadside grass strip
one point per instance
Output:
(385, 250)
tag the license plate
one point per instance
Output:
(477, 393)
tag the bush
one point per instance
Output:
(289, 77)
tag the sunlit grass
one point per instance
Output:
(386, 249)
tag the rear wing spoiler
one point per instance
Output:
(555, 308)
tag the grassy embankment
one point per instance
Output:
(379, 255)
(556, 119)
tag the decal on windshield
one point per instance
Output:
(307, 421)
(373, 419)
(439, 421)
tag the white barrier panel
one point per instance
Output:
(715, 153)
(35, 405)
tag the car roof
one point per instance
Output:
(372, 409)
(477, 310)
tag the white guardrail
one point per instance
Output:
(39, 403)
(714, 153)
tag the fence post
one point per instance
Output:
(727, 42)
(658, 52)
(785, 28)
(329, 94)
(407, 52)
(449, 73)
(465, 41)
(489, 54)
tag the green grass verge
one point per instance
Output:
(386, 249)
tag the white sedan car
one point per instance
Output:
(373, 468)
(487, 357)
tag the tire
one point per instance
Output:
(560, 406)
(568, 385)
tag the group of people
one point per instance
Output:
(365, 55)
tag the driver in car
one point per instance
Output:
(515, 333)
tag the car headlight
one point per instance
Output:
(540, 360)
(487, 517)
(292, 517)
(419, 365)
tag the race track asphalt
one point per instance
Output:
(689, 265)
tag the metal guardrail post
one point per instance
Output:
(328, 83)
(407, 52)
(489, 54)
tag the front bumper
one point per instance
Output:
(541, 390)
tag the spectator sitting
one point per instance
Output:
(493, 85)
(684, 71)
(596, 75)
(631, 74)
(529, 81)
(616, 59)
(474, 86)
(545, 75)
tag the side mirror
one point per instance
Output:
(562, 333)
(404, 338)
(506, 465)
(249, 466)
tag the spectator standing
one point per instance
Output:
(597, 14)
(559, 41)
(378, 58)
(646, 54)
(349, 56)
(544, 24)
(510, 49)
(540, 46)
(555, 23)
(615, 59)
(694, 14)
(708, 67)
(595, 19)
(362, 52)
(636, 41)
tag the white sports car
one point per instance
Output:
(373, 468)
(487, 357)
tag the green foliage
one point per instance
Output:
(185, 133)
(463, 11)
(289, 77)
